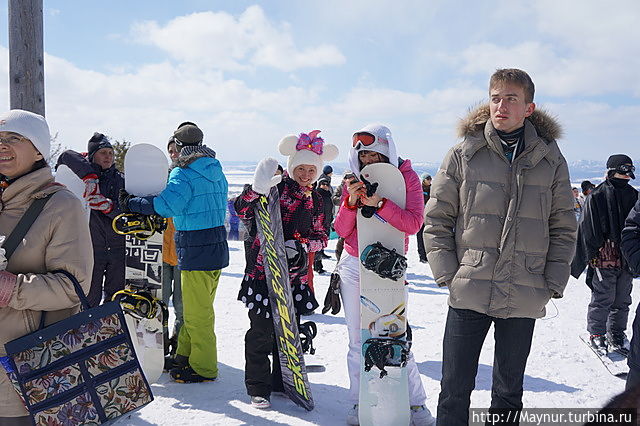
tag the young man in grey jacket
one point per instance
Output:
(500, 234)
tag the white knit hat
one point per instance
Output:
(32, 126)
(383, 144)
(307, 149)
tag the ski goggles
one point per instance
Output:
(363, 138)
(625, 169)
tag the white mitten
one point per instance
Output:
(263, 178)
(3, 259)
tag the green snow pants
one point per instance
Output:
(197, 338)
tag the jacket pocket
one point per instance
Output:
(471, 257)
(535, 264)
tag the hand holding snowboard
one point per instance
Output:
(263, 177)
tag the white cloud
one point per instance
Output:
(590, 49)
(221, 41)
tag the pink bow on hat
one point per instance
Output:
(310, 142)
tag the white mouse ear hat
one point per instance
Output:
(307, 149)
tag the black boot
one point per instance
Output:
(188, 375)
(599, 343)
(178, 361)
(618, 342)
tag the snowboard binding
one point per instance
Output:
(141, 304)
(383, 353)
(308, 330)
(139, 225)
(384, 262)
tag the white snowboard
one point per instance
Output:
(146, 169)
(613, 361)
(382, 401)
(146, 173)
(65, 176)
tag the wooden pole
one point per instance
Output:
(26, 56)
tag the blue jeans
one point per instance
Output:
(171, 286)
(464, 336)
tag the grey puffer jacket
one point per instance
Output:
(502, 235)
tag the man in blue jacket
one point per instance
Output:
(196, 198)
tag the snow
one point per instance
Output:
(561, 371)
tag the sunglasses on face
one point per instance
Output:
(364, 138)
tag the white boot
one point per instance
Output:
(421, 416)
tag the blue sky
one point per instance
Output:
(251, 72)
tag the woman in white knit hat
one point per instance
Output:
(303, 230)
(374, 144)
(58, 239)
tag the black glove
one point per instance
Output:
(123, 200)
(332, 299)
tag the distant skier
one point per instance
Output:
(303, 228)
(426, 190)
(196, 198)
(102, 185)
(598, 247)
(373, 144)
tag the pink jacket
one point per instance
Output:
(408, 220)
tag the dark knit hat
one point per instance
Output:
(618, 160)
(620, 163)
(171, 140)
(586, 185)
(327, 169)
(97, 141)
(188, 133)
(323, 180)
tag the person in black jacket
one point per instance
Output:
(630, 247)
(102, 185)
(324, 189)
(598, 246)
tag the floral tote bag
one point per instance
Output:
(81, 370)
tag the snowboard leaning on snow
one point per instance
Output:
(276, 269)
(146, 168)
(614, 361)
(384, 397)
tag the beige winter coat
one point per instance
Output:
(58, 239)
(501, 236)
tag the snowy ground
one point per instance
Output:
(561, 372)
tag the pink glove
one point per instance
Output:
(91, 185)
(100, 202)
(7, 284)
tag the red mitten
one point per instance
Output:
(100, 202)
(7, 284)
(91, 185)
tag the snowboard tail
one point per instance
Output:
(613, 361)
(294, 373)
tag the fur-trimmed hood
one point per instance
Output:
(546, 125)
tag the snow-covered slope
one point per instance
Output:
(561, 372)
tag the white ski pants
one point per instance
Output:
(349, 270)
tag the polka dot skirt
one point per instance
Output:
(255, 295)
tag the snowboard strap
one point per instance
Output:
(383, 353)
(384, 262)
(308, 331)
